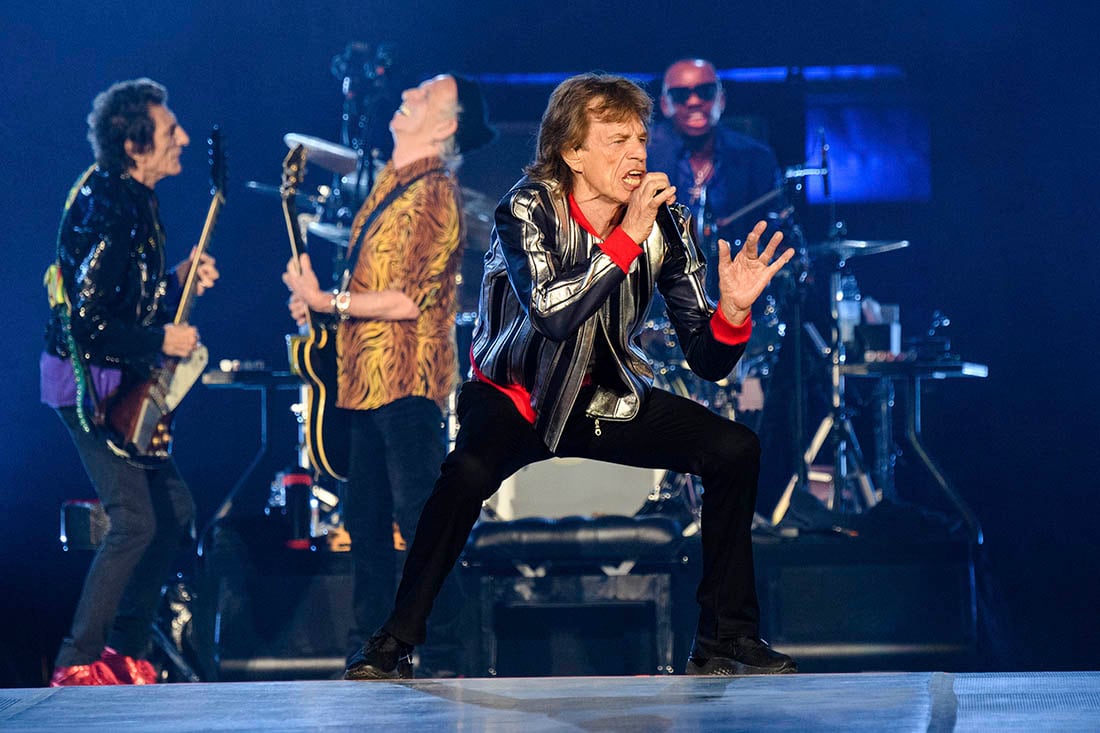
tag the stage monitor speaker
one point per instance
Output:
(575, 639)
(853, 605)
(267, 612)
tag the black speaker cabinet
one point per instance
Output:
(265, 611)
(840, 604)
(576, 625)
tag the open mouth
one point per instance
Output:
(633, 179)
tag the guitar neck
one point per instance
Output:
(297, 247)
(190, 285)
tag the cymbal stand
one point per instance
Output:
(853, 489)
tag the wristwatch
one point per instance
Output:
(341, 303)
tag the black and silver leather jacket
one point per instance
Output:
(111, 250)
(549, 295)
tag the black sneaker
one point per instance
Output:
(745, 655)
(383, 657)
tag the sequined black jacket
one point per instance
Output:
(551, 297)
(111, 250)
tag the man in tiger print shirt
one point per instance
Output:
(395, 340)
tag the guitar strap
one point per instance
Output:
(58, 299)
(384, 204)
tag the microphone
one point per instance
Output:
(824, 163)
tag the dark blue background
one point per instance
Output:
(1006, 245)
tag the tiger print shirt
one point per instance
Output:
(414, 246)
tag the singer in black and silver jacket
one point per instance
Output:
(549, 292)
(579, 246)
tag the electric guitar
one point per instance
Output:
(140, 417)
(312, 353)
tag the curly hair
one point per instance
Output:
(564, 125)
(119, 114)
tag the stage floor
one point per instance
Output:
(936, 701)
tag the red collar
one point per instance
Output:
(579, 217)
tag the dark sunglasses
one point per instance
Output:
(706, 92)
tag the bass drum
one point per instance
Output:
(564, 487)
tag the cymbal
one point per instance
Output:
(847, 248)
(335, 233)
(328, 155)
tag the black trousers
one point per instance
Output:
(150, 511)
(396, 450)
(669, 432)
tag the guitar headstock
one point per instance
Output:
(294, 170)
(218, 172)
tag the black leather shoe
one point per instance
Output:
(383, 657)
(744, 655)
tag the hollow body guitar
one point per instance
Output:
(312, 354)
(139, 417)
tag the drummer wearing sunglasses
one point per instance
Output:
(715, 170)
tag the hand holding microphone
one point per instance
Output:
(644, 204)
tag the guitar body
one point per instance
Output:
(326, 428)
(313, 355)
(141, 417)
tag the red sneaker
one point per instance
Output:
(127, 670)
(96, 673)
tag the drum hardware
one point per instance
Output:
(477, 215)
(852, 486)
(792, 173)
(677, 496)
(477, 211)
(310, 510)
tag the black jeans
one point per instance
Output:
(151, 510)
(396, 450)
(669, 432)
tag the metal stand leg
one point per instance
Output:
(885, 454)
(853, 489)
(913, 432)
(808, 457)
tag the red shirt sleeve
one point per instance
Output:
(621, 248)
(726, 333)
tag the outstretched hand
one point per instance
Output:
(742, 279)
